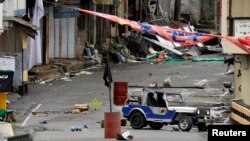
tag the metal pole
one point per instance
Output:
(110, 103)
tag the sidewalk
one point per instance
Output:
(57, 68)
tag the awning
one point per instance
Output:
(29, 27)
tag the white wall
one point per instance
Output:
(1, 18)
(14, 7)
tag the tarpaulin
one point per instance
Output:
(173, 35)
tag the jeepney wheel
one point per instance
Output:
(185, 123)
(137, 120)
(156, 125)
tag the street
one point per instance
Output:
(60, 96)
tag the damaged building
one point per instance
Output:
(66, 34)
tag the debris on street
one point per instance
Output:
(125, 135)
(201, 84)
(66, 78)
(82, 107)
(75, 128)
(43, 122)
(79, 109)
(46, 112)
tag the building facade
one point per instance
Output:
(236, 22)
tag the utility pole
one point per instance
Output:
(177, 10)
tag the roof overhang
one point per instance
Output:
(29, 27)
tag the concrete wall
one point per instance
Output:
(244, 79)
(11, 8)
(189, 7)
(14, 7)
(240, 8)
(195, 12)
(165, 6)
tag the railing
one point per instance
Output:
(240, 113)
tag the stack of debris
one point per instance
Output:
(79, 108)
(46, 73)
(43, 73)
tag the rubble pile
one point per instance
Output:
(42, 73)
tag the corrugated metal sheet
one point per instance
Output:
(107, 2)
(68, 38)
(61, 37)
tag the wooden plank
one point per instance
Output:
(239, 119)
(241, 109)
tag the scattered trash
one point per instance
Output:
(102, 124)
(71, 75)
(229, 72)
(229, 60)
(66, 79)
(43, 122)
(123, 122)
(46, 112)
(7, 101)
(227, 85)
(167, 82)
(78, 128)
(175, 129)
(78, 109)
(85, 126)
(75, 111)
(201, 84)
(82, 107)
(42, 82)
(84, 73)
(153, 84)
(125, 135)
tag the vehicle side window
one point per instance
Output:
(160, 102)
(134, 100)
(150, 99)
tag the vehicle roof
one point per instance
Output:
(153, 89)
